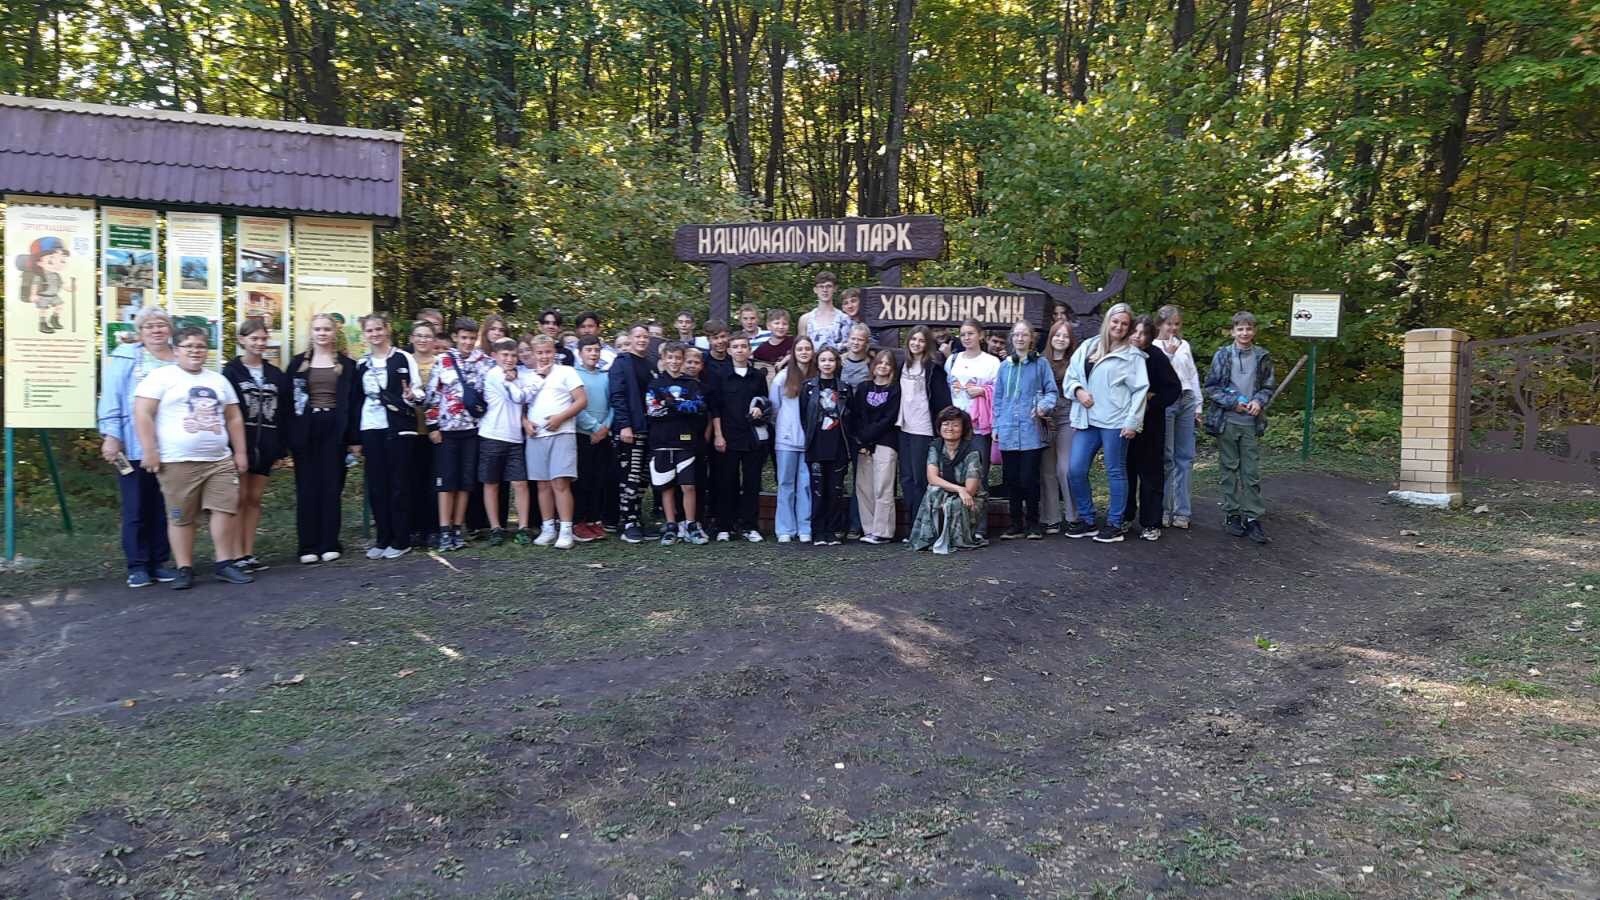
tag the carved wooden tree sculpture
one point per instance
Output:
(1085, 304)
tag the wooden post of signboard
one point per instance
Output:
(721, 290)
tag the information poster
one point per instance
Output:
(1315, 316)
(50, 313)
(332, 274)
(263, 266)
(129, 271)
(194, 275)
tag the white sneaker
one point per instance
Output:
(547, 536)
(309, 558)
(376, 552)
(395, 552)
(805, 538)
(785, 538)
(723, 536)
(565, 540)
(330, 556)
(755, 537)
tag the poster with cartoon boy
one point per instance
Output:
(41, 268)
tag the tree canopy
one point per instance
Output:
(1437, 159)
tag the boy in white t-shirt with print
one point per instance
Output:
(556, 399)
(187, 418)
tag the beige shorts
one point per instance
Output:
(188, 487)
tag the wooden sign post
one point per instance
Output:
(882, 244)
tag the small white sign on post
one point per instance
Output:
(1315, 316)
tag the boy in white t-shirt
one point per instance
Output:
(552, 446)
(188, 421)
(500, 451)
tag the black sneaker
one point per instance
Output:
(633, 534)
(1014, 532)
(1078, 529)
(251, 564)
(1254, 531)
(185, 579)
(1234, 526)
(231, 573)
(1053, 528)
(497, 537)
(1109, 534)
(1036, 533)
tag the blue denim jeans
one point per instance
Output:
(144, 521)
(1085, 444)
(794, 493)
(1180, 454)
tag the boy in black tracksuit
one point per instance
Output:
(739, 421)
(628, 380)
(676, 406)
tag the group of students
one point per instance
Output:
(583, 430)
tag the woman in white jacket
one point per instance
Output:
(1108, 386)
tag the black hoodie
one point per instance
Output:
(874, 409)
(265, 408)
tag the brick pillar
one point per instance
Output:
(1430, 461)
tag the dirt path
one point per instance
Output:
(1343, 713)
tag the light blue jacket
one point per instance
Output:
(1119, 385)
(597, 386)
(117, 383)
(1023, 387)
(791, 429)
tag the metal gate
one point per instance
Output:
(1529, 407)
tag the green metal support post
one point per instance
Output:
(55, 479)
(1311, 399)
(11, 497)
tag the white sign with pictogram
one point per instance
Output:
(1315, 316)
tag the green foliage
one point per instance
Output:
(1438, 167)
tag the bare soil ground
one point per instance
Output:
(1382, 703)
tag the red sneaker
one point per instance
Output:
(581, 533)
(598, 530)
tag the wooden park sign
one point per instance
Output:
(894, 307)
(887, 308)
(882, 244)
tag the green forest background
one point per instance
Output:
(1436, 160)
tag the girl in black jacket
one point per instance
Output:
(824, 413)
(263, 392)
(390, 393)
(924, 393)
(874, 410)
(322, 429)
(1147, 451)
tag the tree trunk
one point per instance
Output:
(1182, 32)
(778, 59)
(1362, 176)
(1236, 38)
(1080, 69)
(506, 100)
(739, 38)
(903, 12)
(327, 98)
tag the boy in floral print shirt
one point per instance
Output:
(455, 430)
